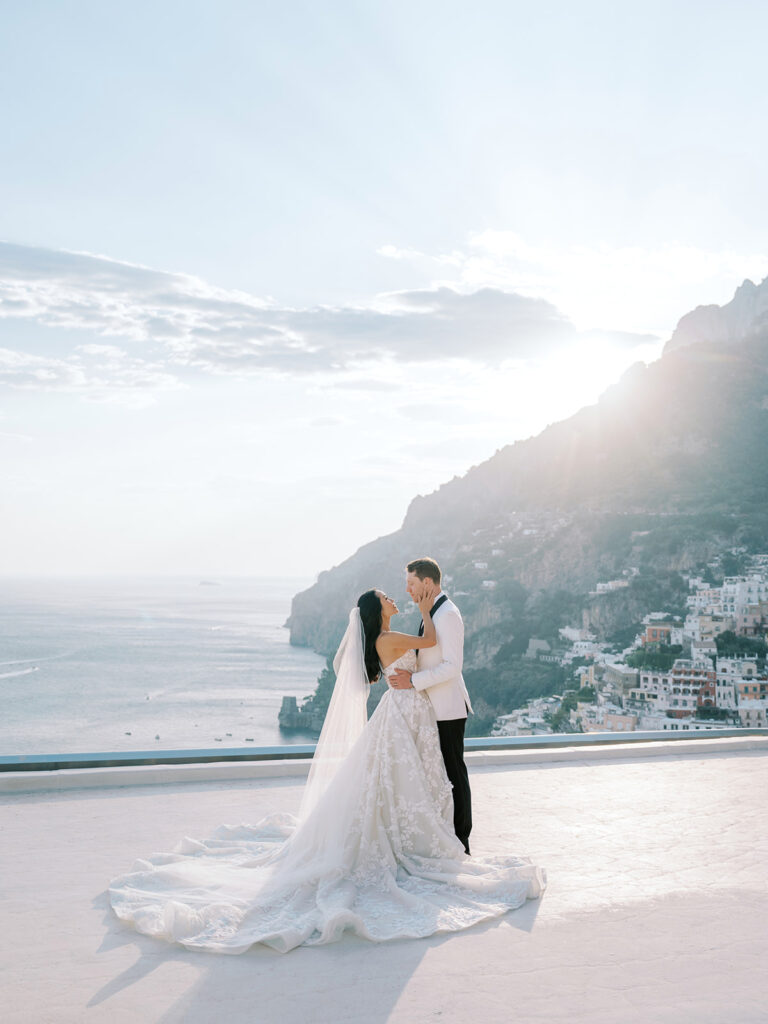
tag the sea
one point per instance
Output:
(101, 665)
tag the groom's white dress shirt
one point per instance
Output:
(439, 667)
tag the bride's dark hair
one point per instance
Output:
(369, 604)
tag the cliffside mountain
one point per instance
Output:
(745, 315)
(668, 470)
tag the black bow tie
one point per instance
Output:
(441, 600)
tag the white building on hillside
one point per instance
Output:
(609, 586)
(704, 648)
(651, 723)
(706, 599)
(753, 714)
(583, 649)
(731, 671)
(623, 676)
(739, 592)
(677, 636)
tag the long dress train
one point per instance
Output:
(376, 856)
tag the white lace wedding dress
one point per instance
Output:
(376, 856)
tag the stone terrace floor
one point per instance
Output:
(656, 911)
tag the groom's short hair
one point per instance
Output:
(425, 568)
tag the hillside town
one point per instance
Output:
(704, 672)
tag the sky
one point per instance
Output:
(268, 271)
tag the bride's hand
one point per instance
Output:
(427, 598)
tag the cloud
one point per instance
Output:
(428, 412)
(419, 326)
(619, 339)
(446, 448)
(100, 372)
(15, 437)
(636, 289)
(183, 322)
(173, 325)
(363, 384)
(327, 421)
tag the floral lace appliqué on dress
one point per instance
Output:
(378, 856)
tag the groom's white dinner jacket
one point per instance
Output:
(439, 667)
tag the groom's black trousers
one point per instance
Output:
(452, 747)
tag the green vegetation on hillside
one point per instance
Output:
(321, 698)
(730, 645)
(659, 657)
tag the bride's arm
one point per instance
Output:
(407, 641)
(393, 644)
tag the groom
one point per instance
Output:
(439, 674)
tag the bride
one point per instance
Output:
(373, 850)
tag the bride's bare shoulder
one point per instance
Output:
(386, 640)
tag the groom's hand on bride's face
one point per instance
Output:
(400, 679)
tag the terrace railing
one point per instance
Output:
(122, 758)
